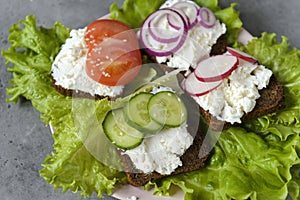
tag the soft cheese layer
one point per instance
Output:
(161, 152)
(68, 69)
(238, 93)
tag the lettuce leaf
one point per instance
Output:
(31, 53)
(71, 166)
(284, 62)
(134, 12)
(244, 165)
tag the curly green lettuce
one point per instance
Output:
(71, 166)
(133, 12)
(258, 161)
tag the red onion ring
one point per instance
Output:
(192, 16)
(174, 23)
(155, 35)
(147, 31)
(180, 18)
(206, 17)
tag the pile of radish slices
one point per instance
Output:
(160, 39)
(210, 73)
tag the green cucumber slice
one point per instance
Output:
(119, 132)
(137, 115)
(167, 109)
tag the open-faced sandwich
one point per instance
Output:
(229, 88)
(102, 96)
(97, 61)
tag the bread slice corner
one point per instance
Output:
(271, 100)
(193, 159)
(75, 93)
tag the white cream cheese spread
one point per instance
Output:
(68, 68)
(237, 94)
(161, 152)
(197, 45)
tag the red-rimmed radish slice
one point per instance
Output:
(194, 87)
(241, 55)
(206, 17)
(152, 36)
(216, 68)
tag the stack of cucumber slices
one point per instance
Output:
(144, 115)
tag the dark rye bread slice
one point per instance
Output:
(220, 46)
(193, 159)
(271, 100)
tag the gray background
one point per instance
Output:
(24, 139)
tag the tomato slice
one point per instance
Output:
(112, 62)
(114, 57)
(100, 29)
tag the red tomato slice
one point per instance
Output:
(114, 57)
(100, 29)
(112, 62)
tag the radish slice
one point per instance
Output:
(241, 55)
(194, 87)
(216, 68)
(206, 17)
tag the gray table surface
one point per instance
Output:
(24, 139)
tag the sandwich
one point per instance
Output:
(260, 156)
(157, 135)
(230, 88)
(97, 61)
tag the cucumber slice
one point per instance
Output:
(137, 115)
(119, 132)
(167, 108)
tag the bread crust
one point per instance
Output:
(193, 159)
(75, 93)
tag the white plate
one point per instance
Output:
(129, 192)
